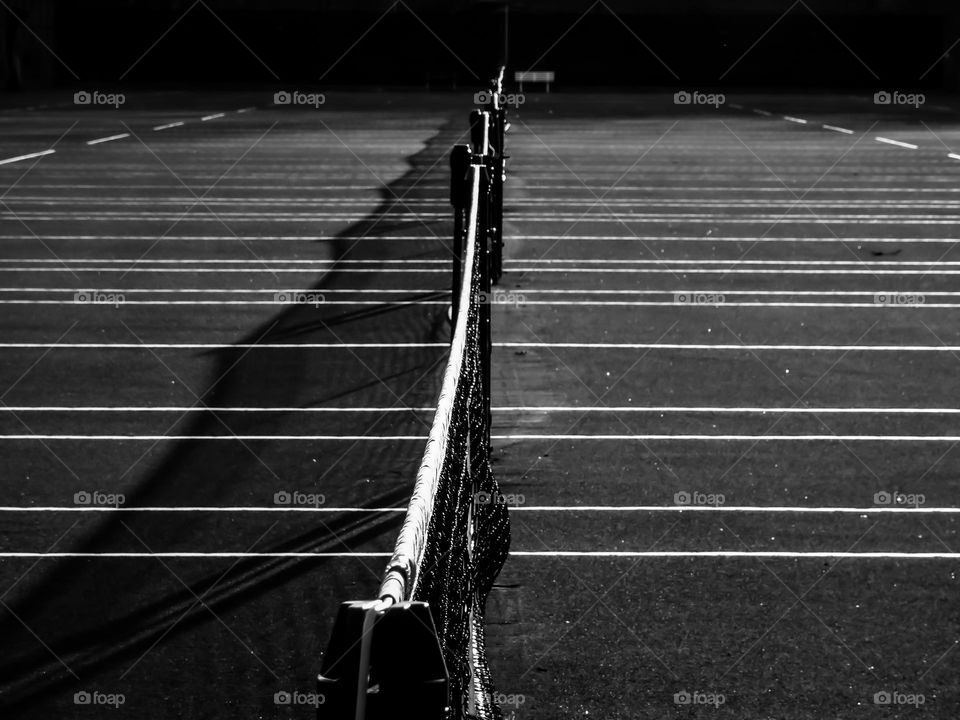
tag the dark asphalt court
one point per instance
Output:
(756, 310)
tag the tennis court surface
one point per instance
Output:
(723, 380)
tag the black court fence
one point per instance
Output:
(418, 649)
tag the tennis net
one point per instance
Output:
(456, 534)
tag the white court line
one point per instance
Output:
(325, 291)
(544, 261)
(741, 554)
(496, 436)
(224, 346)
(434, 271)
(29, 156)
(835, 128)
(195, 409)
(179, 123)
(888, 141)
(384, 303)
(420, 238)
(545, 303)
(515, 553)
(531, 270)
(215, 116)
(772, 509)
(515, 344)
(121, 136)
(497, 408)
(792, 119)
(536, 291)
(728, 347)
(734, 438)
(259, 261)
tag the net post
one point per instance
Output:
(459, 167)
(480, 132)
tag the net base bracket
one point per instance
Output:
(383, 661)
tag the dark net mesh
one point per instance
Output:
(469, 532)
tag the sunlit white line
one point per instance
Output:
(759, 509)
(121, 136)
(179, 123)
(497, 436)
(191, 555)
(835, 128)
(710, 410)
(208, 261)
(271, 291)
(433, 271)
(792, 119)
(29, 156)
(730, 438)
(374, 264)
(515, 553)
(524, 292)
(199, 509)
(384, 303)
(202, 409)
(250, 438)
(523, 303)
(619, 409)
(420, 238)
(215, 116)
(728, 347)
(224, 346)
(516, 344)
(741, 554)
(888, 141)
(781, 509)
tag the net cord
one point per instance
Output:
(400, 580)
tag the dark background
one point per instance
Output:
(812, 44)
